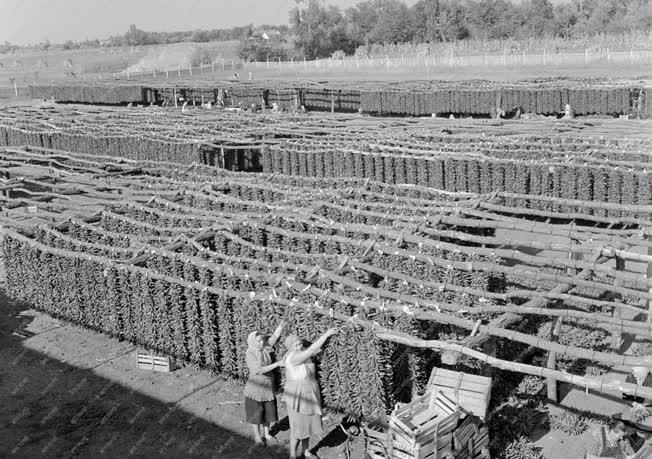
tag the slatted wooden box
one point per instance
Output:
(470, 439)
(422, 429)
(378, 441)
(155, 363)
(470, 392)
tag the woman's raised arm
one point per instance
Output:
(277, 333)
(300, 357)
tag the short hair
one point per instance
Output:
(616, 425)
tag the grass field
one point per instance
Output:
(27, 67)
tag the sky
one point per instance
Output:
(32, 21)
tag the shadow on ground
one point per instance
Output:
(52, 409)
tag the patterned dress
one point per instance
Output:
(260, 390)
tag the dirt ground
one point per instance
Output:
(71, 392)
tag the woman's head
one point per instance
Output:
(255, 341)
(617, 428)
(293, 343)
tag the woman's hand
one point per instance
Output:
(331, 331)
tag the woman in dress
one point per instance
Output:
(260, 390)
(302, 392)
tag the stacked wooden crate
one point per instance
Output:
(471, 439)
(471, 392)
(423, 428)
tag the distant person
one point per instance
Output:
(235, 77)
(251, 76)
(609, 442)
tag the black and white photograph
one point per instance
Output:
(329, 229)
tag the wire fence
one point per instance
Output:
(15, 84)
(632, 57)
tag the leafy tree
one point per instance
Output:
(320, 30)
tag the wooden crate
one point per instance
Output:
(378, 442)
(422, 428)
(470, 392)
(155, 363)
(476, 446)
(645, 452)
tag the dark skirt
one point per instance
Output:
(260, 412)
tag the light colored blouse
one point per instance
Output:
(260, 386)
(301, 388)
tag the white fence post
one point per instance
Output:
(167, 73)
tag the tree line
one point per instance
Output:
(320, 30)
(317, 29)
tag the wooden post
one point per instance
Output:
(190, 68)
(649, 276)
(179, 69)
(167, 73)
(154, 71)
(15, 88)
(617, 336)
(573, 255)
(175, 97)
(201, 67)
(552, 359)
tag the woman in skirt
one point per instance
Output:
(260, 390)
(302, 393)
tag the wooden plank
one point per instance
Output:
(466, 386)
(445, 373)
